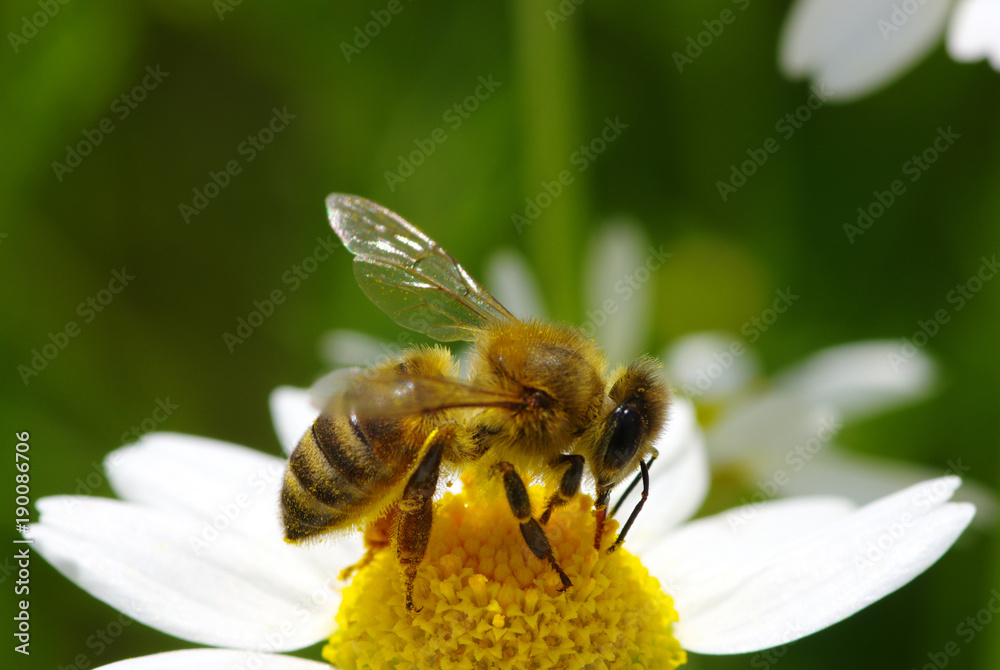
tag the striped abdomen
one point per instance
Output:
(340, 473)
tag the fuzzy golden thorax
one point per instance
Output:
(555, 370)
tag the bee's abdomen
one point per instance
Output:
(332, 477)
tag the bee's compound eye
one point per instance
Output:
(628, 432)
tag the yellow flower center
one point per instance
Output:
(486, 602)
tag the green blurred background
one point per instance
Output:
(161, 338)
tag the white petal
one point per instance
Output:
(292, 413)
(346, 348)
(709, 366)
(689, 554)
(228, 487)
(851, 47)
(860, 379)
(511, 281)
(864, 479)
(166, 570)
(974, 32)
(617, 254)
(678, 481)
(755, 596)
(215, 659)
(199, 476)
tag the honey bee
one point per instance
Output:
(537, 402)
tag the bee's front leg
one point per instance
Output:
(644, 474)
(416, 514)
(569, 485)
(534, 536)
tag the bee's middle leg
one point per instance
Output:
(534, 535)
(569, 485)
(416, 514)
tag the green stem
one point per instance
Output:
(546, 66)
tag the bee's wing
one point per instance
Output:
(387, 393)
(409, 276)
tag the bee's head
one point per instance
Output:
(635, 413)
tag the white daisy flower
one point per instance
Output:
(851, 48)
(194, 549)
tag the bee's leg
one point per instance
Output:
(378, 536)
(416, 513)
(534, 536)
(569, 486)
(635, 480)
(600, 513)
(644, 473)
(604, 494)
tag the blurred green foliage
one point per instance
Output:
(162, 337)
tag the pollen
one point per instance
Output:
(485, 601)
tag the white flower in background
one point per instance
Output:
(853, 47)
(778, 436)
(194, 549)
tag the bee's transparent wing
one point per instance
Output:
(371, 393)
(409, 276)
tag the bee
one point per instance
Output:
(537, 402)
